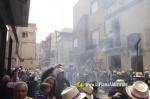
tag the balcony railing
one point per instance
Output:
(93, 44)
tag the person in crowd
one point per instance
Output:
(95, 91)
(139, 90)
(119, 75)
(147, 81)
(32, 83)
(114, 76)
(49, 71)
(52, 81)
(20, 91)
(105, 80)
(62, 82)
(128, 78)
(146, 74)
(24, 77)
(138, 76)
(43, 92)
(5, 92)
(119, 92)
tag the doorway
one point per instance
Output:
(115, 61)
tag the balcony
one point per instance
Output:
(93, 44)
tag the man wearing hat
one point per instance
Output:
(119, 92)
(49, 72)
(138, 76)
(62, 82)
(139, 90)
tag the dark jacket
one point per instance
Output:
(31, 88)
(113, 92)
(46, 73)
(61, 85)
(5, 93)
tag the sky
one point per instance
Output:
(50, 15)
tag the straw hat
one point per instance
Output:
(130, 69)
(139, 90)
(146, 69)
(138, 74)
(104, 72)
(146, 72)
(72, 93)
(114, 71)
(120, 82)
(119, 73)
(122, 72)
(88, 91)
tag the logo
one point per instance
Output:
(81, 84)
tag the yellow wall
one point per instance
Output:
(27, 46)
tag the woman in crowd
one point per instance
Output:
(43, 92)
(52, 81)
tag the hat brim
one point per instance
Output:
(138, 76)
(89, 96)
(129, 93)
(81, 96)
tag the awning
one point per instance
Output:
(17, 9)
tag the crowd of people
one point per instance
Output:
(61, 83)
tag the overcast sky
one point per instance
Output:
(50, 15)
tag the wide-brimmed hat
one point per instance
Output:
(114, 71)
(120, 83)
(119, 73)
(88, 91)
(146, 69)
(130, 69)
(122, 72)
(104, 72)
(138, 74)
(146, 72)
(72, 93)
(139, 90)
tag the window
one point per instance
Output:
(58, 33)
(75, 43)
(108, 3)
(52, 55)
(58, 38)
(147, 34)
(25, 34)
(31, 33)
(94, 6)
(95, 37)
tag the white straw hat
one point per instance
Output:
(146, 72)
(88, 91)
(120, 83)
(139, 90)
(138, 74)
(72, 93)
